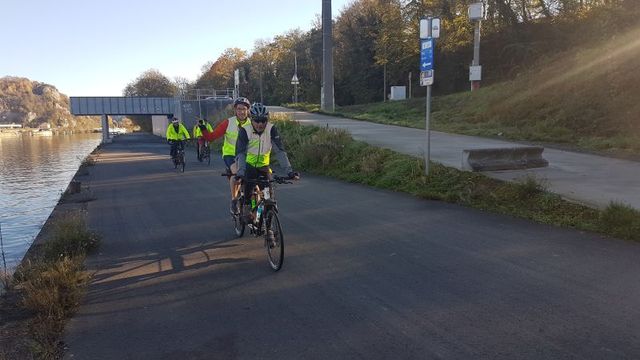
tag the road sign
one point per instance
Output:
(294, 80)
(475, 73)
(426, 78)
(435, 28)
(426, 54)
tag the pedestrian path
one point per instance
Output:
(590, 179)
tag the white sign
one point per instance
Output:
(424, 28)
(435, 28)
(476, 11)
(236, 77)
(426, 78)
(294, 80)
(475, 73)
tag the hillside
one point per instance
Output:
(32, 103)
(583, 97)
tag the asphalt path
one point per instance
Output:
(368, 274)
(585, 178)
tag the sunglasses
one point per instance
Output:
(260, 120)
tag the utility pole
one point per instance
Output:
(327, 102)
(261, 100)
(384, 83)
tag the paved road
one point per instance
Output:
(368, 274)
(589, 179)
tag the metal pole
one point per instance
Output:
(261, 101)
(327, 101)
(4, 261)
(409, 84)
(199, 105)
(475, 85)
(384, 82)
(428, 116)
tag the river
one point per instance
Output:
(34, 171)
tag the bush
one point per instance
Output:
(70, 238)
(621, 221)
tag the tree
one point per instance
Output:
(220, 74)
(151, 83)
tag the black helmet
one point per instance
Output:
(241, 100)
(258, 112)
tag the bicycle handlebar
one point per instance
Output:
(276, 178)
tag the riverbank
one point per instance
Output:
(50, 280)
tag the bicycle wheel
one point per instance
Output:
(183, 163)
(208, 158)
(274, 240)
(238, 224)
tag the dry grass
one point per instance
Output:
(52, 283)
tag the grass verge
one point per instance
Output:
(334, 153)
(50, 283)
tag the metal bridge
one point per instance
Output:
(189, 107)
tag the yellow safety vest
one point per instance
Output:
(231, 136)
(172, 134)
(259, 146)
(198, 133)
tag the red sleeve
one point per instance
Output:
(217, 133)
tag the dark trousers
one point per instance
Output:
(251, 175)
(175, 145)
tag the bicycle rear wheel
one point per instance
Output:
(182, 161)
(274, 240)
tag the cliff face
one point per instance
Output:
(32, 103)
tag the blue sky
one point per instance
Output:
(94, 48)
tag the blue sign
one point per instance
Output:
(426, 54)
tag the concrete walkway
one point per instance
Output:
(589, 179)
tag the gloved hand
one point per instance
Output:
(239, 178)
(294, 175)
(202, 127)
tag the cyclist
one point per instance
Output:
(197, 135)
(229, 128)
(176, 134)
(256, 140)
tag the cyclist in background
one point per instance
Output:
(176, 134)
(197, 135)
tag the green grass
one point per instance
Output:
(334, 153)
(580, 99)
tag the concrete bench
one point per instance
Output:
(511, 158)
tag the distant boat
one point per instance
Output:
(117, 130)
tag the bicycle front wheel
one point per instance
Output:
(182, 161)
(274, 240)
(238, 224)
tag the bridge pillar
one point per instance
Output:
(105, 129)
